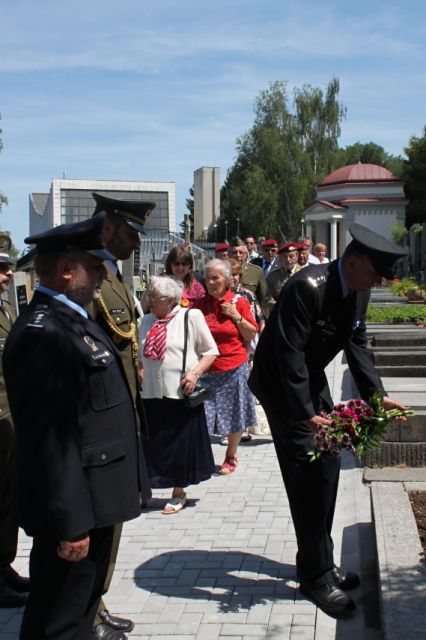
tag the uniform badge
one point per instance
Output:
(37, 321)
(327, 329)
(90, 343)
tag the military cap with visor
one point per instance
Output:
(85, 236)
(134, 212)
(381, 252)
(5, 245)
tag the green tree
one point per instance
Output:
(3, 199)
(280, 159)
(414, 175)
(368, 153)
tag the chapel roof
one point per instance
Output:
(359, 173)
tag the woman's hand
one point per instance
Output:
(188, 382)
(229, 309)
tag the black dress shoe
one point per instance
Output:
(14, 580)
(328, 597)
(104, 632)
(345, 580)
(116, 623)
(10, 598)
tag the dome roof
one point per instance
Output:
(359, 173)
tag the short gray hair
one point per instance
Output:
(223, 265)
(166, 287)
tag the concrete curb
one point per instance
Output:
(401, 566)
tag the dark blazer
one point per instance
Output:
(309, 325)
(120, 304)
(79, 457)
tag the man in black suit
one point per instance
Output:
(79, 456)
(320, 311)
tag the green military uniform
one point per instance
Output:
(275, 282)
(8, 524)
(116, 314)
(253, 280)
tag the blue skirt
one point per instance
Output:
(178, 452)
(230, 407)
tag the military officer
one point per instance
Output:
(115, 312)
(268, 260)
(252, 278)
(287, 266)
(320, 311)
(12, 585)
(221, 251)
(79, 454)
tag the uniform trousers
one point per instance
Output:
(64, 595)
(8, 522)
(312, 490)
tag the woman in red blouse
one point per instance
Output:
(230, 408)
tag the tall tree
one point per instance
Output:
(414, 175)
(3, 199)
(281, 158)
(368, 153)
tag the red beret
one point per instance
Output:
(269, 243)
(287, 247)
(221, 247)
(302, 246)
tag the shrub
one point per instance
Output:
(396, 315)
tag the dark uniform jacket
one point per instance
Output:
(79, 459)
(309, 325)
(7, 318)
(121, 306)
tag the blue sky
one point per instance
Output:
(143, 90)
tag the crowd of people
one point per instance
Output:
(118, 405)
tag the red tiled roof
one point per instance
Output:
(359, 173)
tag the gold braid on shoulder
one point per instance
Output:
(115, 329)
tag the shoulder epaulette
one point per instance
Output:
(318, 280)
(39, 317)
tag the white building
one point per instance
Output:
(367, 194)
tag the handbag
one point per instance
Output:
(202, 388)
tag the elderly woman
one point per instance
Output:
(230, 408)
(178, 452)
(320, 252)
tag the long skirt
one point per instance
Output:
(230, 407)
(178, 452)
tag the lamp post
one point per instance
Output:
(226, 230)
(238, 226)
(215, 232)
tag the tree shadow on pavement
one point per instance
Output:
(232, 579)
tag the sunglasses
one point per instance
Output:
(181, 264)
(271, 249)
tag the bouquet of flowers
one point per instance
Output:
(356, 426)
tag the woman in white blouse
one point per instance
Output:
(178, 452)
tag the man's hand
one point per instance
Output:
(390, 403)
(315, 422)
(74, 550)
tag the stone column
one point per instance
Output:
(309, 229)
(333, 239)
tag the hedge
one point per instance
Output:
(396, 315)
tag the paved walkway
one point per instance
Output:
(223, 568)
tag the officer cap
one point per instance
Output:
(83, 236)
(237, 241)
(287, 247)
(382, 253)
(134, 212)
(269, 243)
(224, 246)
(5, 244)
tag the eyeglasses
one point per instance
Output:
(154, 296)
(249, 242)
(181, 264)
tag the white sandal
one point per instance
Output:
(175, 505)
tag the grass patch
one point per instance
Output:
(396, 315)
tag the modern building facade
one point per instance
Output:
(71, 201)
(367, 194)
(206, 200)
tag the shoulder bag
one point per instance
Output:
(202, 387)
